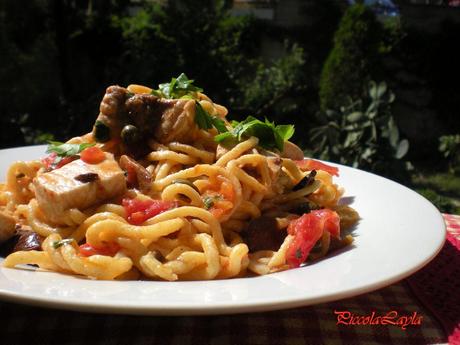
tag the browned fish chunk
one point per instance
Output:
(164, 120)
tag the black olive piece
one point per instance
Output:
(306, 181)
(130, 135)
(101, 132)
(88, 177)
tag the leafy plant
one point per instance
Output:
(363, 134)
(273, 83)
(449, 146)
(177, 88)
(270, 136)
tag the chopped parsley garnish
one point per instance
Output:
(206, 121)
(270, 136)
(180, 87)
(66, 150)
(63, 150)
(57, 244)
(210, 200)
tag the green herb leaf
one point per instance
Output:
(202, 118)
(206, 121)
(285, 131)
(157, 93)
(177, 88)
(57, 244)
(224, 137)
(210, 200)
(219, 124)
(66, 150)
(270, 136)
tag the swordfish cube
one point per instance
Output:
(62, 189)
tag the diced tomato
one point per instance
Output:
(311, 164)
(65, 160)
(110, 249)
(331, 221)
(138, 211)
(226, 189)
(307, 230)
(216, 212)
(49, 161)
(222, 194)
(92, 155)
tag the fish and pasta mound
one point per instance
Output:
(164, 187)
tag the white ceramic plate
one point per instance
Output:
(399, 233)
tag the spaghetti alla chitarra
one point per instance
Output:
(165, 187)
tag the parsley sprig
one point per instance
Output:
(209, 200)
(206, 121)
(270, 135)
(180, 87)
(64, 242)
(63, 150)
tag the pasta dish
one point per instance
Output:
(164, 187)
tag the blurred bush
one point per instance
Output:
(59, 56)
(363, 134)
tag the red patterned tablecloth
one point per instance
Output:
(423, 309)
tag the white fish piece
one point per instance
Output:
(60, 190)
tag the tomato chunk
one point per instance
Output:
(110, 249)
(92, 155)
(311, 164)
(50, 161)
(138, 211)
(307, 230)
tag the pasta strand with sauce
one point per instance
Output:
(151, 193)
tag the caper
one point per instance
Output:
(187, 182)
(101, 132)
(130, 134)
